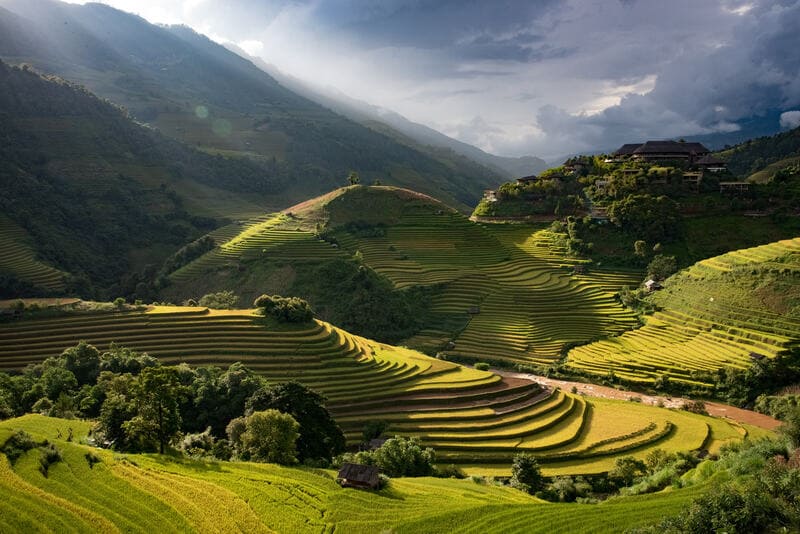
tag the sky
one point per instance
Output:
(527, 77)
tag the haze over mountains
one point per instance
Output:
(201, 93)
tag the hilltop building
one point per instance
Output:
(711, 164)
(527, 179)
(661, 150)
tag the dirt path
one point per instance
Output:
(593, 390)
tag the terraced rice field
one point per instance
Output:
(722, 312)
(473, 418)
(526, 299)
(530, 300)
(17, 257)
(141, 493)
(272, 237)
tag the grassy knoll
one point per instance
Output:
(473, 418)
(141, 492)
(725, 311)
(503, 293)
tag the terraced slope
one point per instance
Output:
(18, 258)
(138, 493)
(505, 292)
(474, 418)
(721, 312)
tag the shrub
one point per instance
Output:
(198, 444)
(698, 407)
(374, 429)
(482, 366)
(18, 444)
(270, 436)
(221, 300)
(48, 455)
(400, 457)
(92, 459)
(285, 309)
(449, 471)
(526, 474)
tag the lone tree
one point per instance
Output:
(662, 267)
(320, 436)
(158, 393)
(526, 474)
(353, 178)
(269, 436)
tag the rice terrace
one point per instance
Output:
(304, 273)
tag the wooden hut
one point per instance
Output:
(359, 476)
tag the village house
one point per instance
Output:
(358, 476)
(711, 164)
(661, 150)
(527, 179)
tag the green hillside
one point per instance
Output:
(198, 92)
(138, 493)
(753, 155)
(726, 311)
(495, 293)
(83, 183)
(473, 418)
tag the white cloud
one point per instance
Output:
(790, 119)
(251, 46)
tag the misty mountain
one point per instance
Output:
(198, 92)
(379, 118)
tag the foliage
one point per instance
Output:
(626, 470)
(18, 444)
(482, 366)
(157, 392)
(404, 457)
(526, 474)
(285, 309)
(662, 267)
(654, 219)
(374, 429)
(269, 436)
(198, 444)
(221, 300)
(320, 436)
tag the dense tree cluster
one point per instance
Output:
(655, 219)
(141, 405)
(284, 309)
(397, 457)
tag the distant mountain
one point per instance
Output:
(99, 196)
(754, 155)
(379, 118)
(197, 91)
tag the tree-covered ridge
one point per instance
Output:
(199, 92)
(87, 183)
(754, 155)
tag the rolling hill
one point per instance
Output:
(474, 418)
(725, 311)
(138, 493)
(494, 292)
(198, 92)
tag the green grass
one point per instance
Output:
(180, 495)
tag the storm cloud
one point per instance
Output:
(520, 77)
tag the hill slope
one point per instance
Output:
(721, 312)
(139, 493)
(471, 417)
(200, 92)
(82, 183)
(504, 293)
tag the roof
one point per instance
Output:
(627, 149)
(365, 474)
(670, 147)
(709, 160)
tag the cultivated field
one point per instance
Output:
(507, 293)
(473, 418)
(725, 311)
(18, 258)
(143, 493)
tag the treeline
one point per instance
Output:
(755, 154)
(141, 405)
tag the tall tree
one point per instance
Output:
(158, 394)
(320, 436)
